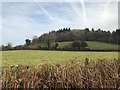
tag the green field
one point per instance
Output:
(93, 45)
(30, 57)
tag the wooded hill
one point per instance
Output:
(78, 37)
(50, 40)
(66, 34)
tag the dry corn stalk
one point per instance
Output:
(101, 74)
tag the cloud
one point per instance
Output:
(26, 19)
(59, 0)
(105, 16)
(50, 17)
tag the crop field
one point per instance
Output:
(33, 57)
(100, 74)
(59, 69)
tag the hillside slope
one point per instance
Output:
(93, 45)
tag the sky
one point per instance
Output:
(22, 20)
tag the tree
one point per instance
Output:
(65, 34)
(92, 29)
(79, 44)
(86, 34)
(56, 45)
(28, 42)
(35, 39)
(48, 39)
(99, 30)
(83, 44)
(69, 29)
(3, 47)
(76, 44)
(64, 29)
(86, 29)
(117, 36)
(51, 39)
(9, 46)
(19, 47)
(48, 44)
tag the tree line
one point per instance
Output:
(66, 34)
(50, 40)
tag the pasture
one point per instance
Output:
(93, 45)
(33, 57)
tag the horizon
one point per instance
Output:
(27, 19)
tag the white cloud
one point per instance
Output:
(24, 20)
(104, 17)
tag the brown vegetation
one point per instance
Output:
(100, 74)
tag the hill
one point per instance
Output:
(98, 40)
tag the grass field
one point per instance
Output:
(93, 45)
(102, 46)
(32, 57)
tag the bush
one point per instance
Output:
(79, 45)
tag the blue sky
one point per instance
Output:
(27, 19)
